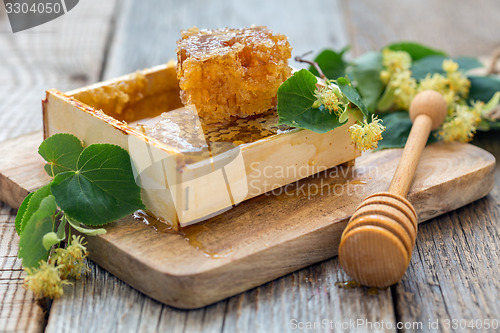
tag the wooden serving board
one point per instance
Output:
(262, 238)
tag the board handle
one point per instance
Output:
(377, 243)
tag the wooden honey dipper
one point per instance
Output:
(376, 246)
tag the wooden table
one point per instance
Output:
(454, 270)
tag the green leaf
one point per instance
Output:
(52, 238)
(397, 128)
(296, 96)
(295, 99)
(331, 63)
(61, 151)
(21, 212)
(483, 88)
(32, 206)
(101, 190)
(365, 74)
(417, 51)
(41, 222)
(434, 64)
(352, 94)
(86, 231)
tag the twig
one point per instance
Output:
(494, 59)
(312, 63)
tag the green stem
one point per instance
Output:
(387, 99)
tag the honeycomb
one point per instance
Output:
(230, 73)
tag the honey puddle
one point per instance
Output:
(190, 234)
(353, 285)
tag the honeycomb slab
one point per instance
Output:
(230, 73)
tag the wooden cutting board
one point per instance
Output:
(262, 238)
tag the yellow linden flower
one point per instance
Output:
(405, 88)
(396, 60)
(463, 124)
(454, 86)
(449, 66)
(397, 76)
(71, 260)
(366, 136)
(385, 76)
(45, 281)
(326, 96)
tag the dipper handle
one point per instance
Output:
(377, 243)
(427, 112)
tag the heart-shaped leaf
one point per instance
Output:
(101, 190)
(61, 151)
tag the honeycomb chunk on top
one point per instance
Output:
(231, 72)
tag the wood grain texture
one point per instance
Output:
(146, 34)
(65, 53)
(276, 233)
(458, 27)
(18, 312)
(307, 295)
(373, 26)
(456, 262)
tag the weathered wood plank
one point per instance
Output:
(306, 297)
(147, 32)
(458, 27)
(268, 235)
(65, 53)
(372, 35)
(18, 312)
(455, 266)
(146, 35)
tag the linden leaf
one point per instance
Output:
(415, 50)
(295, 100)
(41, 222)
(483, 88)
(397, 128)
(365, 74)
(296, 96)
(331, 63)
(352, 94)
(61, 151)
(32, 204)
(21, 212)
(101, 190)
(434, 64)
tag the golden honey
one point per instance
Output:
(229, 73)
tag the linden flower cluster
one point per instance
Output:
(71, 259)
(462, 125)
(367, 135)
(454, 86)
(49, 278)
(401, 87)
(333, 100)
(45, 281)
(363, 134)
(462, 120)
